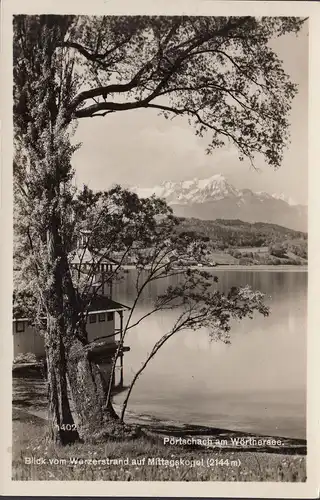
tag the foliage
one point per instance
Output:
(277, 250)
(297, 247)
(28, 357)
(231, 234)
(219, 72)
(43, 85)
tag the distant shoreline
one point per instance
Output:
(253, 267)
(238, 267)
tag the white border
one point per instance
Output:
(179, 489)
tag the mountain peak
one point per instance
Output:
(194, 190)
(214, 197)
(285, 198)
(202, 190)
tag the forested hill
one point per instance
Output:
(224, 234)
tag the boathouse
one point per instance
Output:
(105, 317)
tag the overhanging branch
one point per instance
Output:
(174, 66)
(107, 89)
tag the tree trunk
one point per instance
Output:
(60, 417)
(77, 391)
(62, 429)
(95, 418)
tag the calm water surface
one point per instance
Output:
(257, 384)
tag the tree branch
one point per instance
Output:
(102, 91)
(106, 90)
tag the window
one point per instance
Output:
(92, 318)
(102, 317)
(20, 326)
(110, 316)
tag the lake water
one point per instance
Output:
(256, 384)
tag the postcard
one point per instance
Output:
(159, 254)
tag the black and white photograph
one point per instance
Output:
(160, 247)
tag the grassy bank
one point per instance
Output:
(145, 458)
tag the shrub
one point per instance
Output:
(27, 357)
(277, 250)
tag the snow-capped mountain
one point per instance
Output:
(191, 191)
(285, 198)
(215, 197)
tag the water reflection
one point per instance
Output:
(256, 384)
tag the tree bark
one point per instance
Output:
(60, 417)
(62, 429)
(94, 415)
(77, 392)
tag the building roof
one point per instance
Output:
(85, 256)
(102, 303)
(99, 304)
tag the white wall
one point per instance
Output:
(27, 341)
(101, 329)
(31, 341)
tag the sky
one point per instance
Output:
(140, 148)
